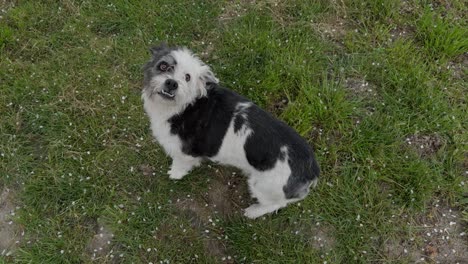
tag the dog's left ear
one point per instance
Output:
(209, 77)
(156, 50)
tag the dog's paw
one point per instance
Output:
(257, 210)
(254, 211)
(176, 174)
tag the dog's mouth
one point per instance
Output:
(169, 95)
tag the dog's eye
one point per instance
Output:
(187, 77)
(163, 66)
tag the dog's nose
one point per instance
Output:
(171, 84)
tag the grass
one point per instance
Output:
(76, 147)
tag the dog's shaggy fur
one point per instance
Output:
(195, 119)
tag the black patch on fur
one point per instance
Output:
(203, 125)
(263, 149)
(239, 121)
(303, 172)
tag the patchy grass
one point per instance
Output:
(378, 88)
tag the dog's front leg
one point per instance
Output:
(181, 165)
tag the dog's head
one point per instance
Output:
(175, 76)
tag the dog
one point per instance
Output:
(195, 119)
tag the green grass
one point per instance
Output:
(73, 135)
(441, 36)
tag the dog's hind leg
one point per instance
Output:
(269, 194)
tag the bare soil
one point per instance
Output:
(10, 232)
(438, 236)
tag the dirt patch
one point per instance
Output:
(361, 90)
(200, 218)
(99, 247)
(207, 52)
(439, 236)
(277, 105)
(146, 170)
(444, 4)
(215, 248)
(316, 133)
(9, 231)
(334, 28)
(464, 163)
(384, 187)
(425, 145)
(228, 192)
(401, 32)
(279, 11)
(197, 213)
(459, 67)
(226, 196)
(330, 137)
(234, 9)
(359, 87)
(5, 5)
(312, 233)
(84, 107)
(407, 7)
(318, 236)
(219, 200)
(401, 250)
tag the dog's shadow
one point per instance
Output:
(225, 193)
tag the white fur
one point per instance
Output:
(160, 110)
(266, 186)
(189, 64)
(187, 92)
(232, 151)
(158, 114)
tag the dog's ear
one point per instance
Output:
(156, 50)
(209, 77)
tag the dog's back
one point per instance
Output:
(227, 128)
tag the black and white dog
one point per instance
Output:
(195, 119)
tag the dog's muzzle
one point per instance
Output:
(169, 89)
